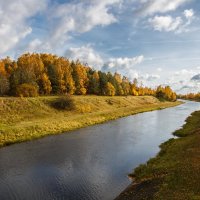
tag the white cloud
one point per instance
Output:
(189, 13)
(149, 7)
(80, 17)
(64, 20)
(125, 66)
(185, 72)
(34, 44)
(165, 23)
(123, 63)
(37, 45)
(85, 54)
(172, 24)
(189, 87)
(148, 79)
(152, 77)
(13, 21)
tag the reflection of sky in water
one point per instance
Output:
(90, 163)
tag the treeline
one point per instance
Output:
(44, 74)
(190, 96)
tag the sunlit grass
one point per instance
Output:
(24, 119)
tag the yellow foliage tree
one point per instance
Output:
(45, 87)
(110, 89)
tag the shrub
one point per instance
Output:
(27, 90)
(64, 103)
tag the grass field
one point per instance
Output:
(24, 119)
(175, 173)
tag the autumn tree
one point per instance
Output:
(9, 65)
(160, 92)
(2, 69)
(44, 84)
(67, 77)
(165, 93)
(190, 96)
(126, 85)
(133, 90)
(80, 77)
(31, 68)
(110, 89)
(119, 89)
(49, 74)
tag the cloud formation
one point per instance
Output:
(169, 24)
(152, 77)
(189, 13)
(13, 21)
(115, 64)
(80, 17)
(150, 7)
(125, 66)
(85, 54)
(165, 23)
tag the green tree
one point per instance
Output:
(103, 83)
(4, 85)
(93, 86)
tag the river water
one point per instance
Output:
(90, 163)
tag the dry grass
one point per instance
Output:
(24, 119)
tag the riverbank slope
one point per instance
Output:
(23, 119)
(175, 173)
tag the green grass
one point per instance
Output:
(175, 170)
(23, 119)
(192, 124)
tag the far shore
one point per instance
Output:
(23, 119)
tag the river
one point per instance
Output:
(90, 163)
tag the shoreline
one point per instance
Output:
(174, 172)
(40, 120)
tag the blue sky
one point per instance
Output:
(156, 41)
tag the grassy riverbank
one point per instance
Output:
(175, 173)
(23, 119)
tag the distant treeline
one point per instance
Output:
(44, 74)
(190, 96)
